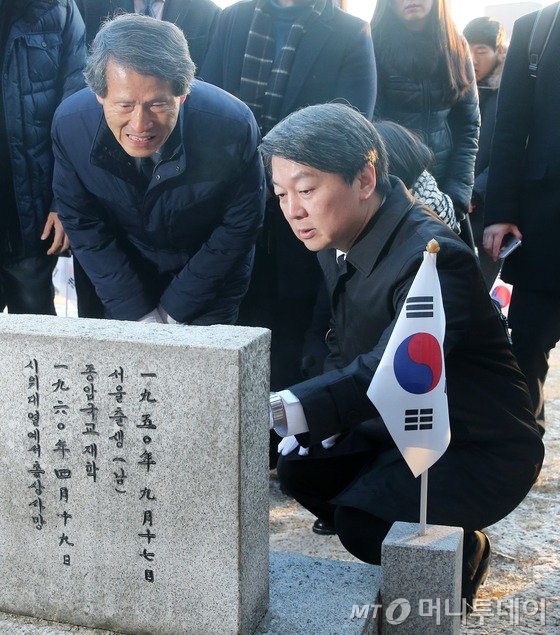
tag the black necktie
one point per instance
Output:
(341, 264)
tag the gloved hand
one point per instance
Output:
(328, 443)
(289, 444)
(153, 317)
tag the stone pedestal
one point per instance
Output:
(421, 580)
(133, 475)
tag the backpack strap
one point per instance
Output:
(540, 35)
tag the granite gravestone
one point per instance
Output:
(133, 475)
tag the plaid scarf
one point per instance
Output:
(263, 84)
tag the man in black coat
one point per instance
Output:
(196, 18)
(329, 171)
(522, 198)
(278, 56)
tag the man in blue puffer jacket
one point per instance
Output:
(158, 179)
(42, 55)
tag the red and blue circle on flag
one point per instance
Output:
(417, 363)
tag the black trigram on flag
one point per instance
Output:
(422, 419)
(420, 306)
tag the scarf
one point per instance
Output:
(263, 82)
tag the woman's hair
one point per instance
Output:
(444, 34)
(408, 156)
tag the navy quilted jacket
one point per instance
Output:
(187, 241)
(43, 62)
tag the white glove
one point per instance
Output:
(166, 318)
(328, 443)
(289, 444)
(153, 317)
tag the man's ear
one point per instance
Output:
(182, 99)
(99, 99)
(367, 181)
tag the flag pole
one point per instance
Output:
(423, 502)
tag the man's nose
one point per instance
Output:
(294, 208)
(140, 120)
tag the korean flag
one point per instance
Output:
(408, 388)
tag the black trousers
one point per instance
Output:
(26, 285)
(314, 480)
(534, 318)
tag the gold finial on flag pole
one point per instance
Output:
(433, 246)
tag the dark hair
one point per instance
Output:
(444, 34)
(331, 138)
(408, 156)
(154, 48)
(487, 31)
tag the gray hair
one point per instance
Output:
(331, 138)
(150, 47)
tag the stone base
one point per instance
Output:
(421, 588)
(307, 595)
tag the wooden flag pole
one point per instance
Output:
(423, 502)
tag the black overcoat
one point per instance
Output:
(196, 18)
(495, 451)
(524, 175)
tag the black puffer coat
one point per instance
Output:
(412, 91)
(43, 62)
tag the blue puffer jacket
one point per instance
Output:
(186, 242)
(43, 62)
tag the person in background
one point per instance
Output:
(278, 56)
(301, 53)
(329, 170)
(487, 41)
(425, 82)
(197, 19)
(410, 160)
(159, 180)
(523, 194)
(42, 55)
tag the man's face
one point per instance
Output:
(322, 208)
(140, 110)
(413, 13)
(485, 59)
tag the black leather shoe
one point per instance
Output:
(323, 528)
(476, 564)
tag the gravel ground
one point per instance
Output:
(522, 593)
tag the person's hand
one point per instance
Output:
(60, 242)
(153, 317)
(494, 235)
(289, 444)
(328, 443)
